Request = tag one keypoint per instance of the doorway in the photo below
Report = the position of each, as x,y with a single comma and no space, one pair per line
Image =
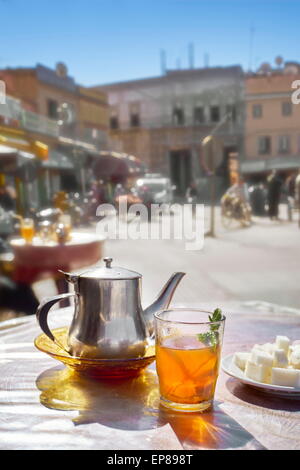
181,170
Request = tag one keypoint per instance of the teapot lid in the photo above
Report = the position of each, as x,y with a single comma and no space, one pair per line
110,272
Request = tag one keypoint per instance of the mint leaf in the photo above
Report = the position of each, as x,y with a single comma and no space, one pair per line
211,338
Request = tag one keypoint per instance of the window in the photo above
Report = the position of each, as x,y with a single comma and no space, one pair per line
257,111
264,145
114,122
178,116
134,120
286,108
199,115
231,112
214,113
134,112
284,144
52,106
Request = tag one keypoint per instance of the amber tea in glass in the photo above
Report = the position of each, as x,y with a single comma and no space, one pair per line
188,349
27,230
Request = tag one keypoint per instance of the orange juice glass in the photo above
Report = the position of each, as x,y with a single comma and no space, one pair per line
27,230
188,350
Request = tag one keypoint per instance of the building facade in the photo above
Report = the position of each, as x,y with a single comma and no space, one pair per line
163,121
272,132
70,120
81,113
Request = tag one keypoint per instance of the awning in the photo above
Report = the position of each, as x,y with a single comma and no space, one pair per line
8,151
58,161
117,165
18,163
5,151
18,140
12,159
278,163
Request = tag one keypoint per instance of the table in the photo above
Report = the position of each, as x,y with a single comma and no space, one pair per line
45,406
38,260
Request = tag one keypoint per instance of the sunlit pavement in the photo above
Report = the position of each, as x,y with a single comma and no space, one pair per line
240,268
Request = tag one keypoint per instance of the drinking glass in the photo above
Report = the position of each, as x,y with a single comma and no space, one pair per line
66,220
27,230
188,351
45,231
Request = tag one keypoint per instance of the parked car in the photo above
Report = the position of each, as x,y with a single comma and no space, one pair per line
155,189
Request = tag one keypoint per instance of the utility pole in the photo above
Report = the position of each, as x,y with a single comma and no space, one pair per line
208,142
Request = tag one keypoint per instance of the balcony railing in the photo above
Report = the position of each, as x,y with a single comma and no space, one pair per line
36,123
12,111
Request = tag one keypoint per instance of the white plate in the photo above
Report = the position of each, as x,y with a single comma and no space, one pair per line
233,370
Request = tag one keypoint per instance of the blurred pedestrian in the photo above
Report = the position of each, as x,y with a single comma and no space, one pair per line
297,190
290,184
98,192
119,191
191,194
7,198
257,194
297,195
274,192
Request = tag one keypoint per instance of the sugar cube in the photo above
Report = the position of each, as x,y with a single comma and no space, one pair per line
261,357
292,348
285,377
240,359
295,359
257,346
282,342
280,358
257,372
269,347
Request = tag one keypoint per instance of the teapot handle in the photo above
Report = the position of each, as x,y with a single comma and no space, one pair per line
42,315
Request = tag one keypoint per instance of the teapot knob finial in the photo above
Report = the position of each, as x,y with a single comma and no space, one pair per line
108,262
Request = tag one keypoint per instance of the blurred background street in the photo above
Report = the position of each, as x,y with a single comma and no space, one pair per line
151,119
241,268
242,264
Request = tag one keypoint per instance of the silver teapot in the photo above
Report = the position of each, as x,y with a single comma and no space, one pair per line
108,321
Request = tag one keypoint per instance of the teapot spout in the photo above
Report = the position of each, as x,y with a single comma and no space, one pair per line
69,277
163,300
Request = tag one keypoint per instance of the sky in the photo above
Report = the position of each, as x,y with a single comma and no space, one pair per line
105,41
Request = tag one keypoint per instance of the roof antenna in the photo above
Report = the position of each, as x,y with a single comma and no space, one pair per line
251,41
206,60
191,52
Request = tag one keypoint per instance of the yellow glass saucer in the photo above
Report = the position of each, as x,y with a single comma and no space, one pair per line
96,368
